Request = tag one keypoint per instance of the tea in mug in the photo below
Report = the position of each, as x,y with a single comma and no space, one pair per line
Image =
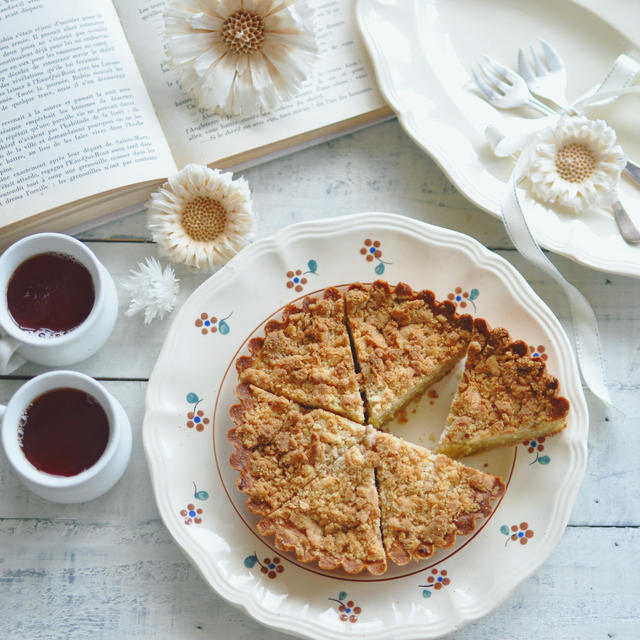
64,431
50,294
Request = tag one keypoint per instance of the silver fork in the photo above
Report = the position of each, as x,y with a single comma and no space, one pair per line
504,88
547,78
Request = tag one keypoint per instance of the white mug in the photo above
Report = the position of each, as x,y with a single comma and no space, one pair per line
88,484
17,345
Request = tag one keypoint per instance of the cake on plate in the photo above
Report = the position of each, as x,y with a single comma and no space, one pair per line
344,494
335,519
404,342
426,500
505,396
307,357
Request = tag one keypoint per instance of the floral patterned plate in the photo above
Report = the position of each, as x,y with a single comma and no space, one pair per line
186,421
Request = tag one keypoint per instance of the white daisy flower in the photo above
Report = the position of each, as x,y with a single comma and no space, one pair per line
201,217
576,164
240,56
151,289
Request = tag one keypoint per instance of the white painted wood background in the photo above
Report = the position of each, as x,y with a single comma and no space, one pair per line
109,569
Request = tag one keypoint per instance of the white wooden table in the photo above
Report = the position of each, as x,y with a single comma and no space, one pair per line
109,569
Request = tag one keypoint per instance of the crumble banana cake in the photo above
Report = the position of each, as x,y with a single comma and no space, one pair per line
404,342
335,519
505,396
307,357
346,495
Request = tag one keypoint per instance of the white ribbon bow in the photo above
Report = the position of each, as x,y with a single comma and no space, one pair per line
618,82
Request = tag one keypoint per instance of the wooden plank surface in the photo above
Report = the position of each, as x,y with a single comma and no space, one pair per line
80,578
109,568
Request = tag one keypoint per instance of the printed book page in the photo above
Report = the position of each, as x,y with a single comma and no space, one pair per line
75,118
342,86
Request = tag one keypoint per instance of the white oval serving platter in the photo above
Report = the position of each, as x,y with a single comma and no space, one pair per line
423,52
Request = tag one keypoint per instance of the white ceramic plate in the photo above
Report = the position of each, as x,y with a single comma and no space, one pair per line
423,52
191,390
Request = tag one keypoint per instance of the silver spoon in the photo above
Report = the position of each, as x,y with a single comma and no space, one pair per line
628,230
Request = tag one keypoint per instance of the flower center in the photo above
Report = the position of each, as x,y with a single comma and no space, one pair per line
575,162
204,219
243,32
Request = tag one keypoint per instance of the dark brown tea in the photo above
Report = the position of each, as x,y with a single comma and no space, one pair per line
50,293
64,432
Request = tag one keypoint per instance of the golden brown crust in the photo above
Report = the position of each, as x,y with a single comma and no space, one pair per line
280,446
426,500
505,396
404,341
335,519
307,357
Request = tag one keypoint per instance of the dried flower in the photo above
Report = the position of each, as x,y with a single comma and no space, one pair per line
576,164
240,56
151,289
201,217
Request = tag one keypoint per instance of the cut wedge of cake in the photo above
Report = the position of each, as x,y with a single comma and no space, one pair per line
426,500
505,396
307,358
280,446
404,341
335,519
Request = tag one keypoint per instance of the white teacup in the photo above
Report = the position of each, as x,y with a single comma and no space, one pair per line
90,483
17,345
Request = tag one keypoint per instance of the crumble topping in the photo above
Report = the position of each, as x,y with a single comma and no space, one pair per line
280,447
307,358
505,396
404,342
346,495
427,499
335,519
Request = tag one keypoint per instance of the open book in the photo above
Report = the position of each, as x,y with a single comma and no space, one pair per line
92,119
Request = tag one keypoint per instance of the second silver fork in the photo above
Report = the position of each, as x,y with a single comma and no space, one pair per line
547,77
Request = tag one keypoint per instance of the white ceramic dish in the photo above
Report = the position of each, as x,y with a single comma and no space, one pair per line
191,390
423,52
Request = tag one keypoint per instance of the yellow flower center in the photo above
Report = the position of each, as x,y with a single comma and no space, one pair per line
243,32
203,219
575,162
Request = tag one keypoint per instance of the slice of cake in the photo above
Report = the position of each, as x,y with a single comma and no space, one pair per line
505,396
307,358
427,499
280,446
335,519
404,342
